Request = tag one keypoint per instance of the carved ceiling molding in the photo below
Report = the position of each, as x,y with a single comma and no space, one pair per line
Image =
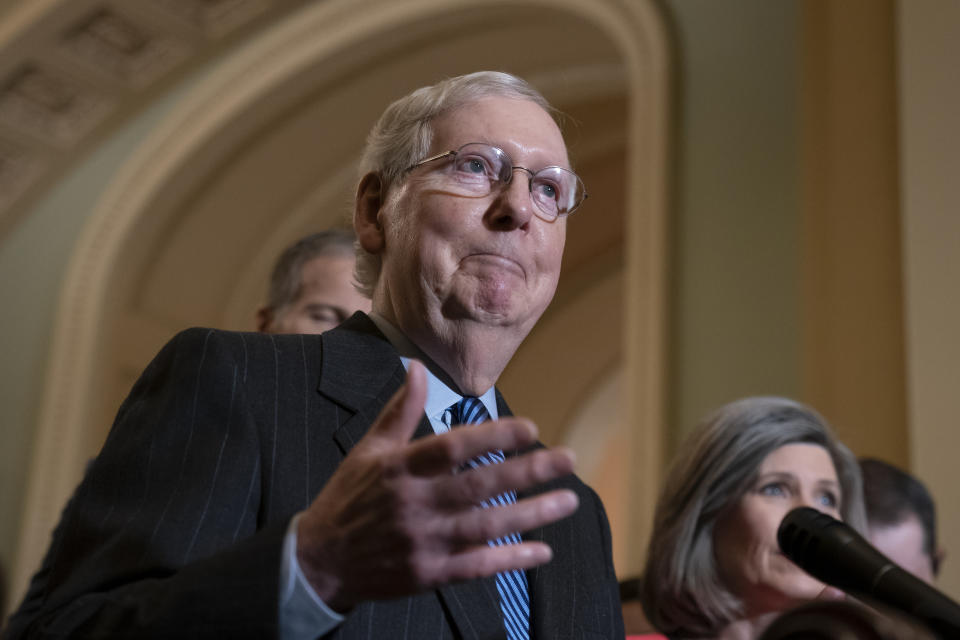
70,70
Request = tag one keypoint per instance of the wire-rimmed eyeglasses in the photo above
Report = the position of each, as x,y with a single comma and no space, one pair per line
476,168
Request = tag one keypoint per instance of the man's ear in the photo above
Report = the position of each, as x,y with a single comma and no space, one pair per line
937,560
366,213
264,318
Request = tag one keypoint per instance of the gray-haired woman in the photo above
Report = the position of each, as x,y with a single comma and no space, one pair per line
714,569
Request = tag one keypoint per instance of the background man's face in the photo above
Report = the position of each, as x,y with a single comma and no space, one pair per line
327,297
903,543
488,259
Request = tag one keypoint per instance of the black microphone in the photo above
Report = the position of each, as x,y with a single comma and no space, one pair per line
835,554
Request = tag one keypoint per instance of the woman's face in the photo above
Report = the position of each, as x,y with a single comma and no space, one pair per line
745,538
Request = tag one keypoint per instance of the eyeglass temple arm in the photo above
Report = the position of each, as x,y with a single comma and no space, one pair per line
445,154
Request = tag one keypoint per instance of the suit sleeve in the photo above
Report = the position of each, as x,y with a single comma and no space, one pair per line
163,537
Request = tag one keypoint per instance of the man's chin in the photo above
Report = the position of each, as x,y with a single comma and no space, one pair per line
498,318
503,309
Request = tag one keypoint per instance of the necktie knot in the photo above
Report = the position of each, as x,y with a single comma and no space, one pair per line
469,410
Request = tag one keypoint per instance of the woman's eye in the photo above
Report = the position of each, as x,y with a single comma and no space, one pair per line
773,489
828,500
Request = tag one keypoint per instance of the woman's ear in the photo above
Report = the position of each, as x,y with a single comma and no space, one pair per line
366,213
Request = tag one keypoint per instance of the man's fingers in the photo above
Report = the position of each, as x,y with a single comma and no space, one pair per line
483,560
439,454
480,525
515,474
399,419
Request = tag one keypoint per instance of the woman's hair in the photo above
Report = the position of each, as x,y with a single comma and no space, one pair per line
403,135
683,594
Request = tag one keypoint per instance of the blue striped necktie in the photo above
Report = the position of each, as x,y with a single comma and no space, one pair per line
511,585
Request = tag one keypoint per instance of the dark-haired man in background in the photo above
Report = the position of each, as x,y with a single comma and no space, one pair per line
311,286
902,518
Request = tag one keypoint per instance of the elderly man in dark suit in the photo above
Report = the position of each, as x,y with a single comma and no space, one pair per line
311,486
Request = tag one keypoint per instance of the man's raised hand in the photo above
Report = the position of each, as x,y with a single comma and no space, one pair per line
394,519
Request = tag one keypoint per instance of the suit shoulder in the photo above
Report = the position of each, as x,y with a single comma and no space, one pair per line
584,490
193,335
246,341
208,349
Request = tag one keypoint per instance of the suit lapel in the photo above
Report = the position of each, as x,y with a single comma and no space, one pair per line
360,372
552,598
475,608
475,604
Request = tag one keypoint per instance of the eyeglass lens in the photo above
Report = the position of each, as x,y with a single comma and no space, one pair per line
478,166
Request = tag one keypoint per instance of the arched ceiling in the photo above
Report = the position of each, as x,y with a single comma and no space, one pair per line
72,70
282,164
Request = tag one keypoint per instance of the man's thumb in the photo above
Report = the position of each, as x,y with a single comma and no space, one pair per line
399,419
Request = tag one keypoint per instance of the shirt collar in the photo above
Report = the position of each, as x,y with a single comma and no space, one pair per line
440,393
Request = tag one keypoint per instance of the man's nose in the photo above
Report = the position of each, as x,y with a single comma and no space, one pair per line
513,208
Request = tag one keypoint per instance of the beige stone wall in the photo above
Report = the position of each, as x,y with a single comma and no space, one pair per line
851,285
929,35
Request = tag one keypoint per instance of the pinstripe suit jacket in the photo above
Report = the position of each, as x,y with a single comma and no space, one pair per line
176,531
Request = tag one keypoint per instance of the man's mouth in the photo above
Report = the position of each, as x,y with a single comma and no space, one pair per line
497,261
